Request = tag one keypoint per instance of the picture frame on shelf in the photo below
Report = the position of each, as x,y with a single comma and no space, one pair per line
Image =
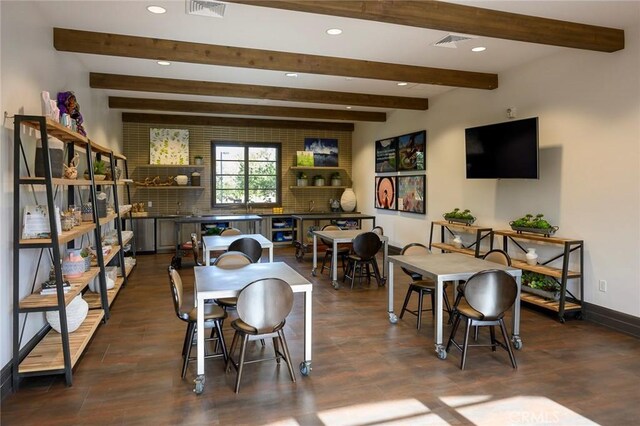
412,194
386,155
385,196
325,151
411,151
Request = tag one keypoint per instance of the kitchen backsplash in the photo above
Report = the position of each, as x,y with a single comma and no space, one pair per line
187,201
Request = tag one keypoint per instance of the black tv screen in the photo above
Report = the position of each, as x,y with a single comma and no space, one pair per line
506,150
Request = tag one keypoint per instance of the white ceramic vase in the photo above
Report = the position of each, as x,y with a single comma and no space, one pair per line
457,241
77,311
348,200
532,256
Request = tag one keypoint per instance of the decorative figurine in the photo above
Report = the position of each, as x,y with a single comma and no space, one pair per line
71,171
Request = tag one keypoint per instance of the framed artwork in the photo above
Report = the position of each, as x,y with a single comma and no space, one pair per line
169,146
411,151
385,192
386,155
304,158
412,194
325,151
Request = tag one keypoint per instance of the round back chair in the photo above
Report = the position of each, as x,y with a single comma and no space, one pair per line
230,231
248,246
329,228
366,245
232,260
498,256
491,293
414,249
177,291
378,230
195,248
265,304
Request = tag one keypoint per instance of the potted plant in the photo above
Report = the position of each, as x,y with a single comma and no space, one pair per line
99,170
456,215
336,180
302,179
535,224
540,285
199,160
318,180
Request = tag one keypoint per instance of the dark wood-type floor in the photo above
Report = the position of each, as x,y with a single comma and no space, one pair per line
365,371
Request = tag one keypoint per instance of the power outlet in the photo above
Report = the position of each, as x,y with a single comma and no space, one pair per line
149,203
602,286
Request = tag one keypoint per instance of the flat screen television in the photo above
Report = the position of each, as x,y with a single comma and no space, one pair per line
506,150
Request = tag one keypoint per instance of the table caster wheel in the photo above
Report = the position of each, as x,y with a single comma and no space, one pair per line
313,272
393,318
305,368
517,342
199,384
335,285
441,352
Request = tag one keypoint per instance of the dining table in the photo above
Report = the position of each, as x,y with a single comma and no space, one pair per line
443,267
340,237
212,282
222,242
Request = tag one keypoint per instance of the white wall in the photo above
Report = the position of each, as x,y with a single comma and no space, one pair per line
30,64
589,109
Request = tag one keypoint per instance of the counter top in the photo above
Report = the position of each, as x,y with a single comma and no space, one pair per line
230,217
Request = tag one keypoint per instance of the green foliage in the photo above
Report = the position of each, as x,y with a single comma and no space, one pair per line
457,214
99,167
539,281
302,175
530,221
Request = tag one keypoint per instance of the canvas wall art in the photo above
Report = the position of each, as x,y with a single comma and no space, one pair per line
385,196
386,155
325,151
412,194
169,146
411,151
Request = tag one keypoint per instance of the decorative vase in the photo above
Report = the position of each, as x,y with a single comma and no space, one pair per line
302,182
532,256
336,182
77,311
73,265
348,200
457,241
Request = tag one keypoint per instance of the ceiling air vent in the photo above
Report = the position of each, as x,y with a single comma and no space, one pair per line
213,9
451,41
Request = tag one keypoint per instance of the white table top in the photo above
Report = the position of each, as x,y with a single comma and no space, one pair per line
449,266
220,242
345,235
215,282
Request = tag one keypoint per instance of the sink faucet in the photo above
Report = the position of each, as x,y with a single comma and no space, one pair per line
311,205
248,206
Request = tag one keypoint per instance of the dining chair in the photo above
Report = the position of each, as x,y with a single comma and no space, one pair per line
213,316
195,249
378,230
248,246
183,251
421,286
343,250
365,247
489,294
230,231
263,307
230,260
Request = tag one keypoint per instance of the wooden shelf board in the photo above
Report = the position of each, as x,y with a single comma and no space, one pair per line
27,180
535,237
125,210
109,218
107,258
94,301
316,168
126,240
172,166
101,149
124,181
544,270
170,187
65,237
119,156
453,249
460,226
48,355
58,131
128,269
553,305
319,187
37,300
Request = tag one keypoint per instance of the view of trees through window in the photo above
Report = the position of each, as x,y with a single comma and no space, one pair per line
245,173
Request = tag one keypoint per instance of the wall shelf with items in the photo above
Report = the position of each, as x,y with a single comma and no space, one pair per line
318,187
172,166
340,173
181,187
561,274
447,234
283,230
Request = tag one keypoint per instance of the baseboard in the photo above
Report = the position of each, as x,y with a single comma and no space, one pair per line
609,318
6,375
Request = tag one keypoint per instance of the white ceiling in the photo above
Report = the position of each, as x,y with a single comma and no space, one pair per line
271,29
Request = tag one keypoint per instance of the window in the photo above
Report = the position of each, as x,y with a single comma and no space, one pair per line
245,172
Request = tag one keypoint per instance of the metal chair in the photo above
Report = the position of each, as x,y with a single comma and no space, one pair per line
378,230
184,249
230,231
230,260
248,246
489,295
365,247
263,307
421,286
343,250
213,316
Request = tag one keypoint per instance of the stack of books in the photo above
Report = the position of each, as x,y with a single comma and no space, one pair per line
49,287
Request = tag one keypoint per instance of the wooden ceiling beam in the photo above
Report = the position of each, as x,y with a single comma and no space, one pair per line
67,40
210,88
437,15
242,109
206,120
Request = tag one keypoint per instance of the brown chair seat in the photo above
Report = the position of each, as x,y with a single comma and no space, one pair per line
245,328
211,312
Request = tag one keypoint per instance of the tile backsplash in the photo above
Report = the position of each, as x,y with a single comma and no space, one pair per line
186,201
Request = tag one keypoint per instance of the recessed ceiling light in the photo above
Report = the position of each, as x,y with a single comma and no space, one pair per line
156,9
479,49
292,75
348,107
334,31
164,63
402,83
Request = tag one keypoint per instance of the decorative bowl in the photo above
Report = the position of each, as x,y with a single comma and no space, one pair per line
77,311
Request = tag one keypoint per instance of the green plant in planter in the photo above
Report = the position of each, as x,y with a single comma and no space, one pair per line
302,175
317,178
540,282
531,221
457,214
335,175
99,167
